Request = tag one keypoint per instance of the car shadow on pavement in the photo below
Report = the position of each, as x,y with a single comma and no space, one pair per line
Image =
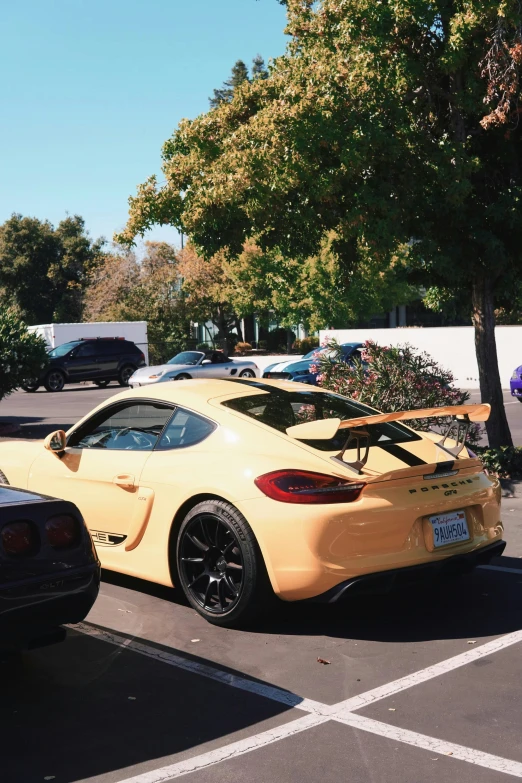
479,604
86,708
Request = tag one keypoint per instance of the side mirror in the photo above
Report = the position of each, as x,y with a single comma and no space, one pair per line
206,361
55,441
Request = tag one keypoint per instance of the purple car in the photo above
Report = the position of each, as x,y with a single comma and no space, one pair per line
516,383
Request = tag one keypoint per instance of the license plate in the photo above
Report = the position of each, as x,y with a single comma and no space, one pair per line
449,528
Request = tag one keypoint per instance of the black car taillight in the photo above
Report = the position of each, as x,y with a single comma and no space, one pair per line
303,486
62,531
19,538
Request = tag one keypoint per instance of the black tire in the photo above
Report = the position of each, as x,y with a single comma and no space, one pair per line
102,384
30,387
233,585
54,381
519,399
247,374
125,373
3,478
183,376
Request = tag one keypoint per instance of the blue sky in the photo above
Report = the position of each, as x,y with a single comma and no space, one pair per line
92,88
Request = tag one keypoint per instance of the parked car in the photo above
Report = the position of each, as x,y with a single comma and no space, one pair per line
98,359
195,364
238,489
302,370
516,383
49,569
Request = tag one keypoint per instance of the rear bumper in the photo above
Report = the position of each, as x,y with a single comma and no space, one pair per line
385,581
32,611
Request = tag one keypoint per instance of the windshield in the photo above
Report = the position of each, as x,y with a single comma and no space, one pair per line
187,357
281,409
61,350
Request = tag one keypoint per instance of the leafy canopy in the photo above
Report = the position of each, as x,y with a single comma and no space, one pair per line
44,270
383,122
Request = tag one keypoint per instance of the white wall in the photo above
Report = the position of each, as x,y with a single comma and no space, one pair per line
452,346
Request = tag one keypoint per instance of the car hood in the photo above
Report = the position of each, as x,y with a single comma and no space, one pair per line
146,372
290,366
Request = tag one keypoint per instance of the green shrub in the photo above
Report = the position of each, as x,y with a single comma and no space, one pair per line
394,379
306,344
23,355
203,347
262,345
506,462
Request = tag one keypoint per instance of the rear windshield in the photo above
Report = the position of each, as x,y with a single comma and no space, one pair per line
281,409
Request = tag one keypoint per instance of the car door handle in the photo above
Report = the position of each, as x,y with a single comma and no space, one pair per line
124,480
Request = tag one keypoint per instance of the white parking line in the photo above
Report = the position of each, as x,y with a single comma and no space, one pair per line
342,712
228,752
434,745
204,670
423,675
501,568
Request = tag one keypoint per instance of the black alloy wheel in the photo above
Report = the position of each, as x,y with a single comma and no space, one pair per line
102,384
219,564
30,386
247,374
183,376
54,381
125,374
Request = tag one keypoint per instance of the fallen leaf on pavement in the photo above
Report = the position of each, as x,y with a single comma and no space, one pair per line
323,660
195,640
472,641
391,709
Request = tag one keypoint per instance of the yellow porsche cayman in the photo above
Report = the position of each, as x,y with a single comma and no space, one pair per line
232,488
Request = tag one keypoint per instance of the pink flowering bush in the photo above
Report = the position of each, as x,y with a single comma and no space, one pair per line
394,379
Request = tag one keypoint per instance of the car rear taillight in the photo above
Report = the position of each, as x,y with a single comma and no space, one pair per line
62,531
303,486
19,538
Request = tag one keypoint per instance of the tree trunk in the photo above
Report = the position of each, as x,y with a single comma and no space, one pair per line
497,426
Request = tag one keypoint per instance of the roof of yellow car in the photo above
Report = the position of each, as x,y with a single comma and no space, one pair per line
208,389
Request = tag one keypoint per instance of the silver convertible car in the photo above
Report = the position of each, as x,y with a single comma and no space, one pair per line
195,364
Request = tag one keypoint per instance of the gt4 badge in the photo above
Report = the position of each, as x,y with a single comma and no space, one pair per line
101,538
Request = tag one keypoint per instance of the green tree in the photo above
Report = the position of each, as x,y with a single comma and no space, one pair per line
395,126
44,270
23,355
238,76
259,69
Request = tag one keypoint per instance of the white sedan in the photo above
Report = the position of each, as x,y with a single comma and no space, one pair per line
195,364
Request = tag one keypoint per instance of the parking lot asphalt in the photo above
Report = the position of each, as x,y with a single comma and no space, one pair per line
419,687
411,687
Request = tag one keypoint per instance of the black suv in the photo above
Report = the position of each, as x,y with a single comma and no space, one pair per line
101,360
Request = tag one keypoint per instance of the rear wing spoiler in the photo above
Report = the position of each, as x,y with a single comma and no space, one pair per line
358,436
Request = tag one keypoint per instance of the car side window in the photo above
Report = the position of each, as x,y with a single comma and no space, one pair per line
85,351
185,429
134,426
109,347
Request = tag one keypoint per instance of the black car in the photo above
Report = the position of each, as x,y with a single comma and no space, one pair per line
49,570
101,360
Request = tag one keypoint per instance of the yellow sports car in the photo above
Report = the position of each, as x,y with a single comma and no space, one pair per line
235,488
